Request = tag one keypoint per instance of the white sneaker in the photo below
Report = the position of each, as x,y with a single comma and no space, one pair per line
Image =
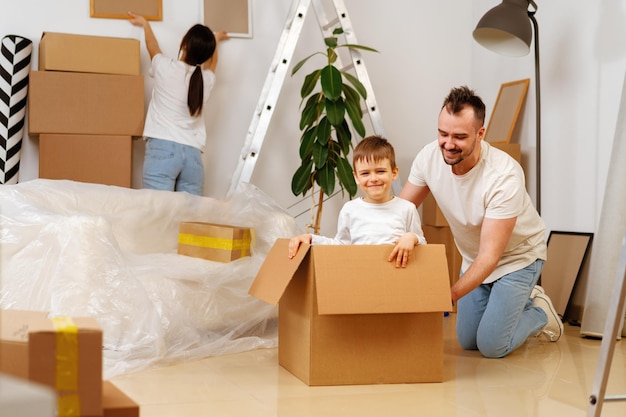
537,290
554,329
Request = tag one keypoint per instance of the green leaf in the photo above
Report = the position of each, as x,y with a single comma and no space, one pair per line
355,46
331,82
346,176
357,84
353,100
323,131
356,117
326,179
302,178
310,113
344,137
335,111
320,155
331,42
301,63
306,143
338,31
309,83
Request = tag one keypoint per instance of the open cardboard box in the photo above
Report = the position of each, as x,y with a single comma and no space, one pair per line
348,316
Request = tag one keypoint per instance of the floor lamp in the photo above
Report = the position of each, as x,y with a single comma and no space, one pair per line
506,30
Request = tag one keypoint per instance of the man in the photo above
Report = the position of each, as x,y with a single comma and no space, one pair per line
481,192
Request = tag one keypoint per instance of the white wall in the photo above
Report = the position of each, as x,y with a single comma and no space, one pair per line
425,49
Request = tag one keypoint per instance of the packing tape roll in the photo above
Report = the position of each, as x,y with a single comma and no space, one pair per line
67,366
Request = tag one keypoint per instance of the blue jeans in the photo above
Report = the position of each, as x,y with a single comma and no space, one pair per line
497,318
171,166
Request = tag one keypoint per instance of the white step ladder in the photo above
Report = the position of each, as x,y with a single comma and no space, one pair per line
279,68
609,338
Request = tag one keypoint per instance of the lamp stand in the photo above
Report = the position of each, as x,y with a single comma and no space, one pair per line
531,15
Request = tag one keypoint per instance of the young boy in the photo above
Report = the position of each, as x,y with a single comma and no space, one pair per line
378,217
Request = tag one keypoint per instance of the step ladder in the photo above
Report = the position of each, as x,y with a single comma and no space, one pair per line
279,68
607,349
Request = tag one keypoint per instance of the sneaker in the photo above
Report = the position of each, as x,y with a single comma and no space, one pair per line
554,329
537,290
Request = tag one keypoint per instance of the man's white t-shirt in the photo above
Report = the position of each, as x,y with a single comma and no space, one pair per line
494,189
363,223
168,115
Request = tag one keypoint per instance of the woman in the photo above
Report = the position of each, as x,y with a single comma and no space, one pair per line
174,128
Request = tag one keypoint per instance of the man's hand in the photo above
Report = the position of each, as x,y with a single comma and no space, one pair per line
403,249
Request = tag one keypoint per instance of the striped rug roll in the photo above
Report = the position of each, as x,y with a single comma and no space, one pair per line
14,68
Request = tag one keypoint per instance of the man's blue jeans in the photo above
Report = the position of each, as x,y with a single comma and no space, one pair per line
172,166
497,318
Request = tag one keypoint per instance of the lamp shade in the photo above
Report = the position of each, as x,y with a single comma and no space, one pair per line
506,29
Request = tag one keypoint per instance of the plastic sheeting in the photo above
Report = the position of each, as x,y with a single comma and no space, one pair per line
76,249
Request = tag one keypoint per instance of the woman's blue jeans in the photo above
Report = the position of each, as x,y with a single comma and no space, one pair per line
172,166
497,318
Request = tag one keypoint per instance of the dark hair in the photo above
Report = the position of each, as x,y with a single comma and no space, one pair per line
460,97
198,45
374,149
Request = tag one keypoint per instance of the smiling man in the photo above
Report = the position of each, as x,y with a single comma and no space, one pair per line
501,237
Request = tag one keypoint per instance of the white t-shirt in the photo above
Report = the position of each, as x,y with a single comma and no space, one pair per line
493,189
363,223
168,115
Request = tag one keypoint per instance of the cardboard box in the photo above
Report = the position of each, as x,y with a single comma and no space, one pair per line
14,328
99,159
443,235
347,316
81,103
66,354
83,53
117,404
214,242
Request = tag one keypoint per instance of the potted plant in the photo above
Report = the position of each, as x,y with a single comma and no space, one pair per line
325,122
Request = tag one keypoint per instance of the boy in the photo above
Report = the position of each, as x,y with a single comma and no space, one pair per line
378,217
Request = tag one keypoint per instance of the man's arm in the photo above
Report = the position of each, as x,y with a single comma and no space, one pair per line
414,193
494,236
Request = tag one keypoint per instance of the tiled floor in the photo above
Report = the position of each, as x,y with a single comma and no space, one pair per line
539,379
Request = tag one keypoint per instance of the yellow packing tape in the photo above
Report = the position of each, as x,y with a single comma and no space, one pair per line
67,366
242,245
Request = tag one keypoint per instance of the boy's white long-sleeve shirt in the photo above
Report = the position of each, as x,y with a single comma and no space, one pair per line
363,223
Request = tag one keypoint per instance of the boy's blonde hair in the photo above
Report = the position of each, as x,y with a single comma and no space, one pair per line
374,148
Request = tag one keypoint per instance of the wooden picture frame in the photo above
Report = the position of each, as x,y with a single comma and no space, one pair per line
567,253
231,16
506,111
118,9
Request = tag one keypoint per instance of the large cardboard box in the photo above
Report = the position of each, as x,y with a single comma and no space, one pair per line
214,242
348,316
83,53
66,354
98,159
82,103
14,328
513,149
117,404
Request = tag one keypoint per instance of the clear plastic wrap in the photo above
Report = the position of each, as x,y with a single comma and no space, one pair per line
77,249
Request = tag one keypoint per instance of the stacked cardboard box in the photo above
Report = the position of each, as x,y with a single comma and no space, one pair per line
86,102
348,316
65,354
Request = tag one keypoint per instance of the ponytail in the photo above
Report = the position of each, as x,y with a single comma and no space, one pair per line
195,94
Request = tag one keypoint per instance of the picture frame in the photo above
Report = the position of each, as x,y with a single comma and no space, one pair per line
506,111
232,16
118,9
567,253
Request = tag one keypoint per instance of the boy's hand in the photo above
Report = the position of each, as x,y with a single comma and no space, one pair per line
403,249
294,243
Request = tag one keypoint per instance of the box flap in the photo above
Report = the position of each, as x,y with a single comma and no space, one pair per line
358,279
15,324
276,271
